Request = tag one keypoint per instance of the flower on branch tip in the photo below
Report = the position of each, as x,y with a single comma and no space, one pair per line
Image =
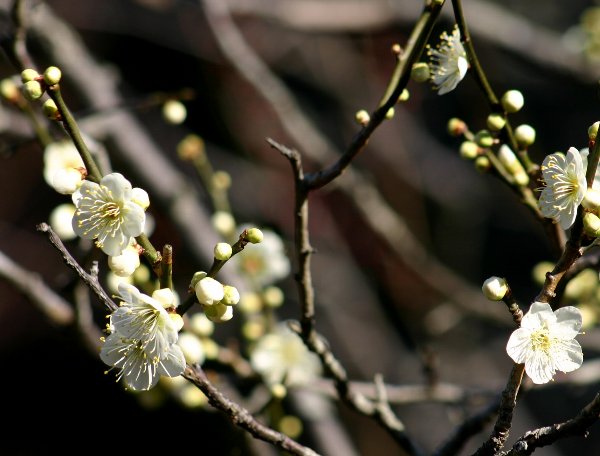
108,213
545,342
142,343
565,186
448,62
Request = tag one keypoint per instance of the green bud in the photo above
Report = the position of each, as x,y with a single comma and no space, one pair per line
482,163
512,101
512,164
484,139
273,296
49,108
456,127
593,131
390,114
495,288
219,313
420,72
222,251
591,224
32,90
591,200
469,150
253,235
495,122
8,89
525,135
197,277
28,75
362,117
540,270
231,295
52,75
404,96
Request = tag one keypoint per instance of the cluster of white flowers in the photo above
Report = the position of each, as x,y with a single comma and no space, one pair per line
142,339
448,64
111,212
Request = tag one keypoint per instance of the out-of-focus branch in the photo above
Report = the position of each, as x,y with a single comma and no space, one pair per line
33,287
241,417
577,426
89,279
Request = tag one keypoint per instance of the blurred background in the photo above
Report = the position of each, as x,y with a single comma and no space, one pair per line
404,240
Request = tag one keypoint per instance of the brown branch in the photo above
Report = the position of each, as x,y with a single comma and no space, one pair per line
544,436
241,417
89,279
33,287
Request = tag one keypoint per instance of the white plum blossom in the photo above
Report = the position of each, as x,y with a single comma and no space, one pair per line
64,169
545,342
126,263
61,221
107,213
565,186
264,263
142,343
448,62
281,357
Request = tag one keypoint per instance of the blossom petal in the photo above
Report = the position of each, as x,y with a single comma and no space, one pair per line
134,218
538,313
519,344
114,245
173,363
568,323
570,356
119,188
539,366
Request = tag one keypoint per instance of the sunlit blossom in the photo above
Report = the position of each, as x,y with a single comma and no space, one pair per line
448,62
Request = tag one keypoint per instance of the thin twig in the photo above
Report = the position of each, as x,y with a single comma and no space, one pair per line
89,279
241,417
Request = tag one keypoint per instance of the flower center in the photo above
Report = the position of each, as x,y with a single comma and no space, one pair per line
540,340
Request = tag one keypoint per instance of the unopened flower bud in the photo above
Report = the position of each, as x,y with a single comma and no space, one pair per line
593,131
8,89
219,313
273,296
209,291
362,117
525,135
201,325
404,96
278,391
32,90
125,264
591,224
61,220
495,121
231,296
512,101
484,138
197,277
223,222
178,320
482,163
390,113
221,180
28,74
469,150
512,164
222,251
420,72
166,297
191,147
591,200
49,109
495,288
52,75
456,127
253,235
191,347
174,112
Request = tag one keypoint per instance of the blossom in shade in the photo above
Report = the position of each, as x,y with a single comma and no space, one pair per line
545,342
565,186
108,213
448,62
281,357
